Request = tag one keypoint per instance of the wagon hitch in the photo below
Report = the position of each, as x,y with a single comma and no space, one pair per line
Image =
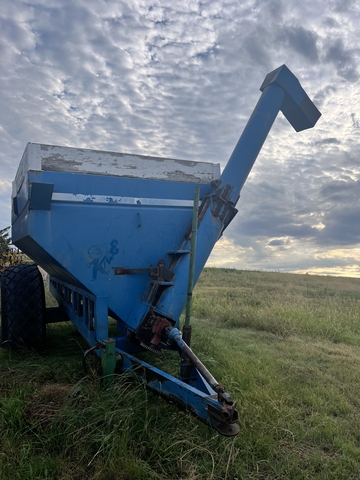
197,390
225,419
222,414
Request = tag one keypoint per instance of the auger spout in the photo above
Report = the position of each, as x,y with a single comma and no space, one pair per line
281,92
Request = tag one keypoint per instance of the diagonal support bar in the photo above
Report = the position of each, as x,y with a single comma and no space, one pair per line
204,406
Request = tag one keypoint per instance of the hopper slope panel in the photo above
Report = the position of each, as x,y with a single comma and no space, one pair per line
86,242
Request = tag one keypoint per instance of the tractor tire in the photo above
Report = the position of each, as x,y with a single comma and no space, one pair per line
22,307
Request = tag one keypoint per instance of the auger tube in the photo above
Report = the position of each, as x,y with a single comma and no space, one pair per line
281,91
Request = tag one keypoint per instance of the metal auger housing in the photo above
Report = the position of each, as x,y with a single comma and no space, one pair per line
113,231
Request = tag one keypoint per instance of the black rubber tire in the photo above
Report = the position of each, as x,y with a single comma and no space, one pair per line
22,307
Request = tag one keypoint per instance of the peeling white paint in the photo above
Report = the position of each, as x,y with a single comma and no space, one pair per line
117,200
77,160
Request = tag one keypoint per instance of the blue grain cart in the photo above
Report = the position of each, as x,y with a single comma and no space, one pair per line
114,231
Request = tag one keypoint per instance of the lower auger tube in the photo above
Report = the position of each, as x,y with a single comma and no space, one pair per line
224,419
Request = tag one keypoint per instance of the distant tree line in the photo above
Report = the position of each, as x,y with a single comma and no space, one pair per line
5,242
8,254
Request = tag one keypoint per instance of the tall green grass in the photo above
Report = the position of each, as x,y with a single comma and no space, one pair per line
287,347
283,304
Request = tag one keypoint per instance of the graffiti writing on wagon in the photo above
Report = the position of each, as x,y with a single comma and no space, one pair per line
100,258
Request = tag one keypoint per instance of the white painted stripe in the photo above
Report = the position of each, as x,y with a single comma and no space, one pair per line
111,200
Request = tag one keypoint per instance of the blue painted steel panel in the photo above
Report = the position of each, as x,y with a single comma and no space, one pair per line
81,242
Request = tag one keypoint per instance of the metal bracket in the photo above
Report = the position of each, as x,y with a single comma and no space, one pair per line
158,273
40,195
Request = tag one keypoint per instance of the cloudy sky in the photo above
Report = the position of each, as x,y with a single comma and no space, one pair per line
179,79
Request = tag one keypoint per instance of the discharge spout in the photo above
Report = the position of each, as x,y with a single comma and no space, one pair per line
281,91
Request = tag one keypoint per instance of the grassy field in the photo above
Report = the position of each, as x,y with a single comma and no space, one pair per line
287,347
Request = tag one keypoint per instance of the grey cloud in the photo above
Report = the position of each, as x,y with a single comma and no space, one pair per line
327,141
331,22
276,9
267,222
336,204
342,6
267,190
355,121
278,243
343,59
343,192
351,158
256,50
342,227
323,94
301,40
13,32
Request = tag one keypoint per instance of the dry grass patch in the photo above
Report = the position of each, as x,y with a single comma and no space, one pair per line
45,403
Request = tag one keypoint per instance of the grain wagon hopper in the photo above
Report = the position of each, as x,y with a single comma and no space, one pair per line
114,233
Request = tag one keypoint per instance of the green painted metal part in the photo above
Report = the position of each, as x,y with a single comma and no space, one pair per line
192,257
108,362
